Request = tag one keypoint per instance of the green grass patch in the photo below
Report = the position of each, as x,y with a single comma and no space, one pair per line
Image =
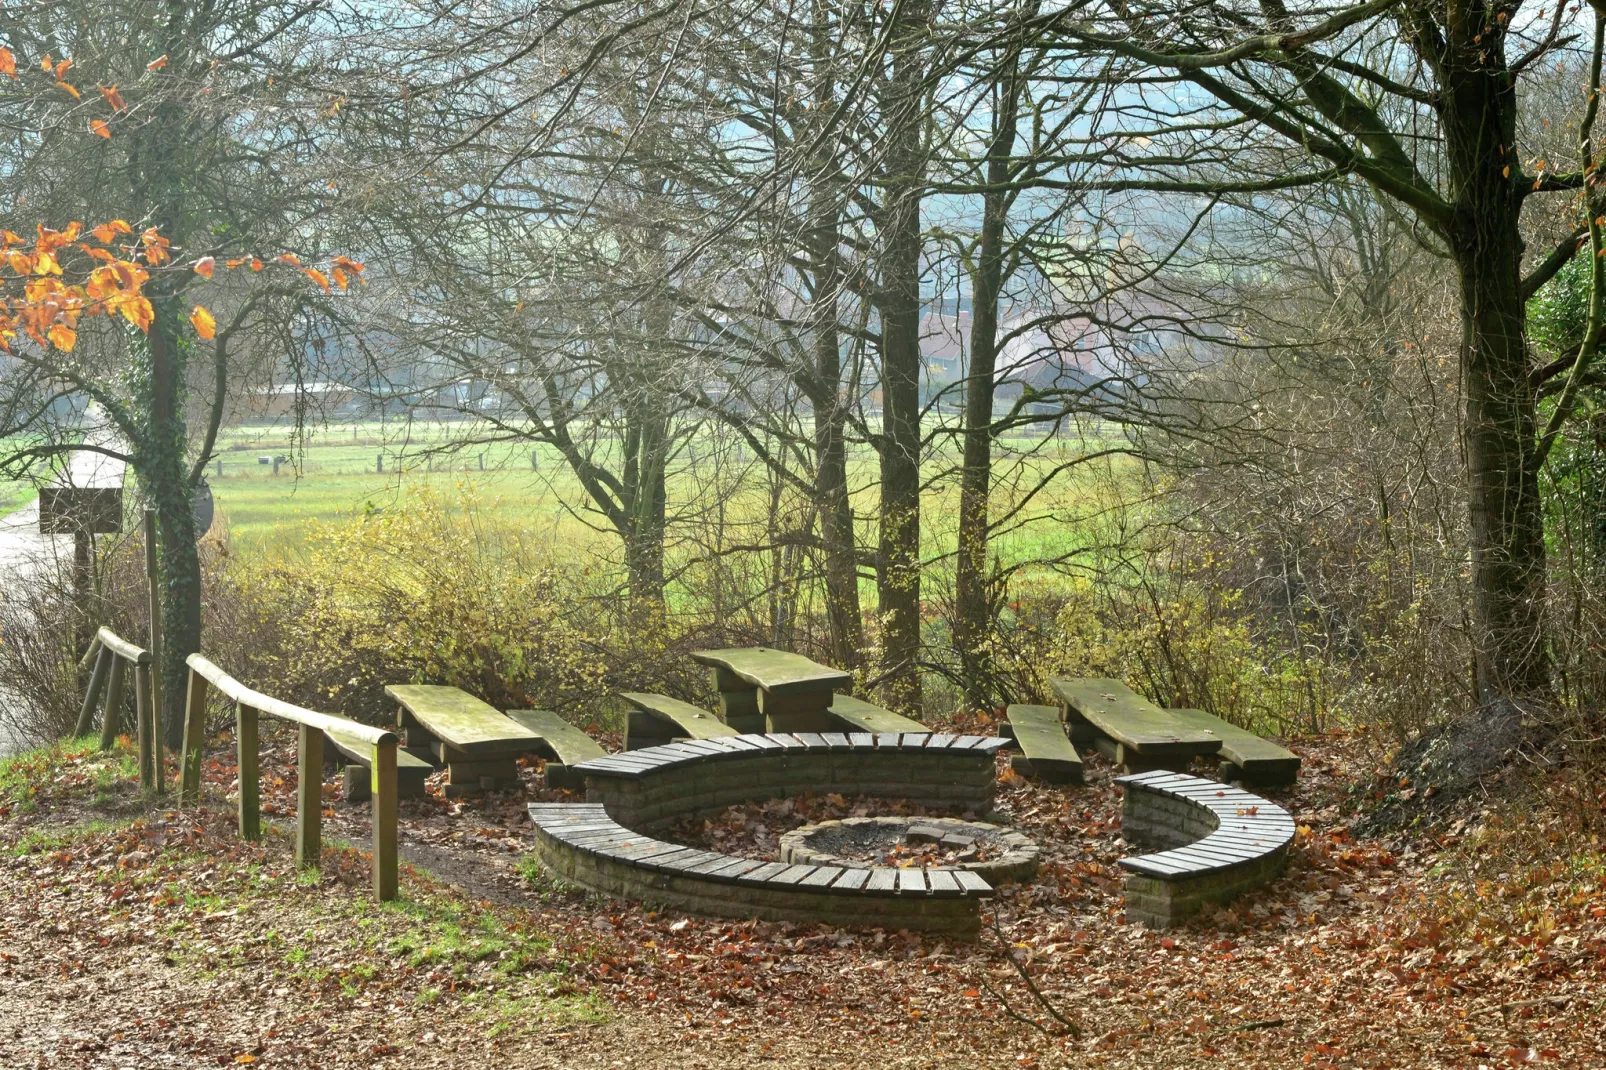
71,770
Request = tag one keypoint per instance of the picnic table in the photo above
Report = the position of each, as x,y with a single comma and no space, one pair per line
1140,736
792,692
479,744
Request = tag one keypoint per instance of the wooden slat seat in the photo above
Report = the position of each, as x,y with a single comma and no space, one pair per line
478,743
1217,842
411,770
582,843
1046,752
1134,732
861,716
561,744
1245,756
658,719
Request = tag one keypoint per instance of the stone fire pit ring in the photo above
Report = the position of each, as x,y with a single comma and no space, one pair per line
1007,855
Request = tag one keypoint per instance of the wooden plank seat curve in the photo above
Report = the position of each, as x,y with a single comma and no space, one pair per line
659,719
562,745
479,744
857,715
1216,841
1046,751
584,844
653,788
790,691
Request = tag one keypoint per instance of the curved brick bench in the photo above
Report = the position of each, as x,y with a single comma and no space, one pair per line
604,844
1218,841
585,845
653,787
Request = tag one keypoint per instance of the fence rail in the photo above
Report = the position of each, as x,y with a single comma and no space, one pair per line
248,703
112,656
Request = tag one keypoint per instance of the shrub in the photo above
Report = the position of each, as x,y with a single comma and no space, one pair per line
427,593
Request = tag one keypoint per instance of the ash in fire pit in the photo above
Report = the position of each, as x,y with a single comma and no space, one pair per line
994,853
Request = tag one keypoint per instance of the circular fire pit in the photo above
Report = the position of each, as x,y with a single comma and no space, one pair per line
994,853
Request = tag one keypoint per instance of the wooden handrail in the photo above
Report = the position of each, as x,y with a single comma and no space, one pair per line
311,726
235,691
111,656
122,647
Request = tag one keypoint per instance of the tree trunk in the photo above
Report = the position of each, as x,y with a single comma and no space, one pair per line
646,505
160,463
838,544
971,608
899,301
1497,420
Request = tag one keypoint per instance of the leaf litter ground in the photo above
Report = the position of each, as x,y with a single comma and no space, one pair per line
133,937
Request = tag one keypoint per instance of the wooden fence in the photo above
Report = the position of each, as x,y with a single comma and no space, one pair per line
113,656
381,746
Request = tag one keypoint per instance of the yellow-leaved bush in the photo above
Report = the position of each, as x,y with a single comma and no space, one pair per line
1187,644
429,594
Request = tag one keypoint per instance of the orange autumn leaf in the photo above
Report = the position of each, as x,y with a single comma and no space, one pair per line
136,310
158,63
205,325
205,266
60,70
318,277
290,258
256,265
107,232
62,337
232,264
99,128
8,63
71,89
113,97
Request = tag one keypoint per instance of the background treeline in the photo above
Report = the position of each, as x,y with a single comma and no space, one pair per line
1240,350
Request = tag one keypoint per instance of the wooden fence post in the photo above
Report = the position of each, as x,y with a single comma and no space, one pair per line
112,713
383,789
149,771
189,783
309,796
153,596
245,740
97,680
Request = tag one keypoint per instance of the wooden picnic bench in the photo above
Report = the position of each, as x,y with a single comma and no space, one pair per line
1132,731
793,692
861,716
1135,733
479,744
561,744
1046,751
660,719
357,770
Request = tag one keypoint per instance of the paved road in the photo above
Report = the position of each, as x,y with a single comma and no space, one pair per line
28,558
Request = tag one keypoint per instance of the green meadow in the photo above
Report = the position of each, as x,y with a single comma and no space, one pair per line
715,493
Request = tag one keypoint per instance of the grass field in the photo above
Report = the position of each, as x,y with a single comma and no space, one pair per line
347,470
719,496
